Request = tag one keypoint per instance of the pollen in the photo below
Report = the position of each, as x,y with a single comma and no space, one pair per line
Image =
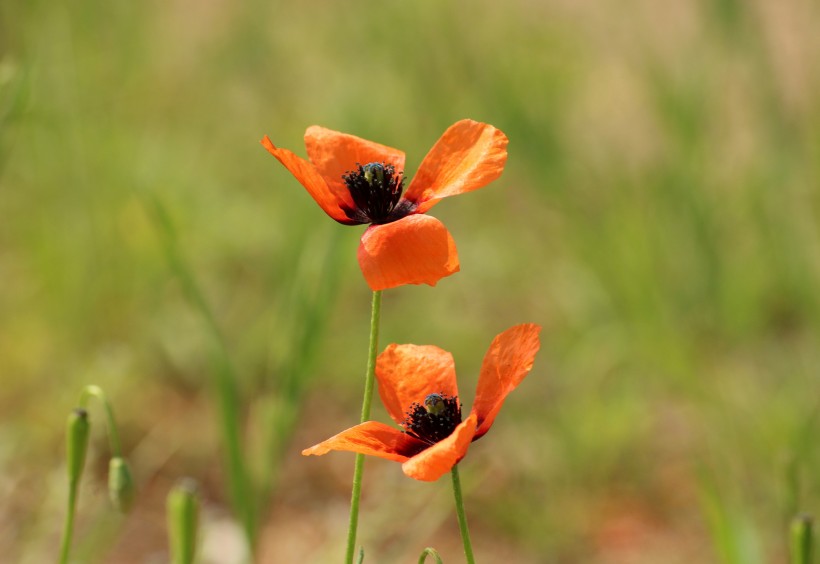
434,419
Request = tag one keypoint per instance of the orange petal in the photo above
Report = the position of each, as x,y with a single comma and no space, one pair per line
416,249
372,438
329,199
429,465
506,363
334,153
468,156
408,373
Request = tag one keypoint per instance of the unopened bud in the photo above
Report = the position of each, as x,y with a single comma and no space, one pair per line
801,540
78,429
182,508
120,484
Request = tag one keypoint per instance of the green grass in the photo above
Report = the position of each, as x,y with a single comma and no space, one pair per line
658,216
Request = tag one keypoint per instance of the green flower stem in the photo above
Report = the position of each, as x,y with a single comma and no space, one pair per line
68,527
369,382
430,552
113,435
462,517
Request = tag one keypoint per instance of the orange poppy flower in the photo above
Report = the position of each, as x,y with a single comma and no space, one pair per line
417,385
356,181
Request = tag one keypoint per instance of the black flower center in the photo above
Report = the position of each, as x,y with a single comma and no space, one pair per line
376,190
434,419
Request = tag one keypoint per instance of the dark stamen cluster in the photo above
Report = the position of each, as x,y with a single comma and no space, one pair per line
376,190
433,420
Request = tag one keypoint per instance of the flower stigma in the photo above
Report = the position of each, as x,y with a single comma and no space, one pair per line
376,191
433,420
434,404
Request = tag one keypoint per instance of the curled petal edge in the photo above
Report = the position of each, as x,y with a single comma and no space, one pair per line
371,438
331,201
508,361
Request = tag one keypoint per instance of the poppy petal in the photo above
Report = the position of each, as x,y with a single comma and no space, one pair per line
468,156
429,465
371,438
416,249
334,153
506,363
329,199
409,373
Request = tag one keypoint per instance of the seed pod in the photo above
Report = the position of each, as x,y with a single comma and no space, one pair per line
120,484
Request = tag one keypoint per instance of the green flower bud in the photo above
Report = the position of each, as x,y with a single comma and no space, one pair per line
77,443
120,484
801,540
182,508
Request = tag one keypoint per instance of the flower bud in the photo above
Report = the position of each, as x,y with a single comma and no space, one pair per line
801,540
182,508
77,444
120,484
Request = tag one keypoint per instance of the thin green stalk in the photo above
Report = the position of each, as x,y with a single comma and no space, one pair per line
241,489
68,528
113,435
462,517
369,382
430,552
121,488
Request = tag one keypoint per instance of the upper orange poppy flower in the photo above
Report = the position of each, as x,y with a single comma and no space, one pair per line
417,385
358,181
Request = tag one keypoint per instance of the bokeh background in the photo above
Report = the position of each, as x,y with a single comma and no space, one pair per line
658,216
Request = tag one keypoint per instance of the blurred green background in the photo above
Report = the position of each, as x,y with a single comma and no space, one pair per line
658,216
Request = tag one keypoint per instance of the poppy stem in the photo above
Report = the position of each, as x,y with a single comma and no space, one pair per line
462,517
369,381
113,437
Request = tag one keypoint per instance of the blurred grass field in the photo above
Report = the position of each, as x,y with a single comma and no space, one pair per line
658,216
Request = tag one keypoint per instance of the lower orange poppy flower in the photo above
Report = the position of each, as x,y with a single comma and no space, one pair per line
356,182
417,385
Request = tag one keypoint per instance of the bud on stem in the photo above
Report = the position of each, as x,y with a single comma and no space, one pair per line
77,445
182,508
77,431
800,542
120,484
